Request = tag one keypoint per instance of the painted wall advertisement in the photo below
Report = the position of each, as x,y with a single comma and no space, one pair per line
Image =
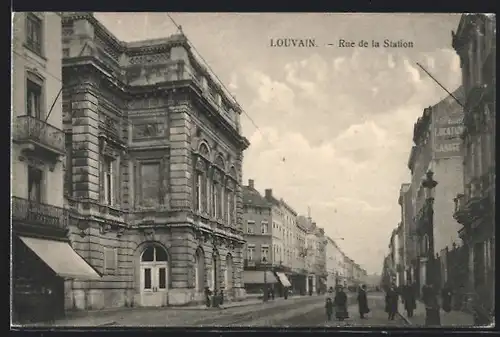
447,121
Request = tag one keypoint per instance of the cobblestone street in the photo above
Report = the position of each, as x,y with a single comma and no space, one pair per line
294,312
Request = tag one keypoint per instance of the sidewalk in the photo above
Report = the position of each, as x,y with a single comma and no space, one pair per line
107,317
453,318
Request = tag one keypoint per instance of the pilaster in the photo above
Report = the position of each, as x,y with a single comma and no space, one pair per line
85,124
180,158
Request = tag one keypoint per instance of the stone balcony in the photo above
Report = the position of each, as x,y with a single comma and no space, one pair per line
38,137
460,212
38,214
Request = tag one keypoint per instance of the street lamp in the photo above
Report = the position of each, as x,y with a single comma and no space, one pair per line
429,184
265,296
432,309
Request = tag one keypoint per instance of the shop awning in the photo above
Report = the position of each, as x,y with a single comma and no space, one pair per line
283,279
257,277
61,258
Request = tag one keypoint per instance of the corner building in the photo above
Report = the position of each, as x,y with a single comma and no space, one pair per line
153,171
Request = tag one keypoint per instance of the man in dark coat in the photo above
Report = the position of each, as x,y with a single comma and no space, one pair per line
446,295
432,314
329,308
340,303
409,299
362,302
391,302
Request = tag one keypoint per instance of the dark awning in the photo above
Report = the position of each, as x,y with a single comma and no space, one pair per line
283,279
257,277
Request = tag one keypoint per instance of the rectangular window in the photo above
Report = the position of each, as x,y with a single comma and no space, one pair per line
150,184
68,169
220,204
264,254
35,177
264,227
147,278
250,253
250,227
33,99
108,180
227,208
162,278
215,199
110,260
197,191
34,33
208,194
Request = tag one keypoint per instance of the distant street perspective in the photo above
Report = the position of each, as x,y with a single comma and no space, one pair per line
192,169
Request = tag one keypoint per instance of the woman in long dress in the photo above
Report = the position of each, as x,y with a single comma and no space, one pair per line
362,302
391,302
340,302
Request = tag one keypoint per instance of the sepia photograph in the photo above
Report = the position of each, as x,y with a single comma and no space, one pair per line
331,170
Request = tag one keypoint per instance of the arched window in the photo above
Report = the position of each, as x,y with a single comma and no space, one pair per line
203,150
199,266
154,254
219,161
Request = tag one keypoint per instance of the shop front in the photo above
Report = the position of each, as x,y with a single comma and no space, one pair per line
40,267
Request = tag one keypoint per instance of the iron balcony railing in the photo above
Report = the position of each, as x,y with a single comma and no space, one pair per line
29,128
35,213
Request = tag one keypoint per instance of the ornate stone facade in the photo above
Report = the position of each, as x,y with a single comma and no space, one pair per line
154,176
475,43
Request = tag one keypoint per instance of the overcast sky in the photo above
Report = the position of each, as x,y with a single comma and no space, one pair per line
334,125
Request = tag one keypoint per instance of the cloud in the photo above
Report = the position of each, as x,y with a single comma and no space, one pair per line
233,83
340,143
390,61
414,73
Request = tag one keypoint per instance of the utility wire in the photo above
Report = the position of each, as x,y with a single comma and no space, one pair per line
60,90
449,93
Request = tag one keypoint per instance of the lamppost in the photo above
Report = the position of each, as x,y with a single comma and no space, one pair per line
429,184
265,296
431,302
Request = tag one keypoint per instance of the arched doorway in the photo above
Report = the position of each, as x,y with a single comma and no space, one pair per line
154,276
199,270
228,276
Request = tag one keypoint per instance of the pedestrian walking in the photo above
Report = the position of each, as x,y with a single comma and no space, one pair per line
446,296
391,302
409,299
329,308
207,296
221,297
362,302
432,315
330,294
340,303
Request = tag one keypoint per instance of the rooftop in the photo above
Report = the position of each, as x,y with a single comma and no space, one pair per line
252,197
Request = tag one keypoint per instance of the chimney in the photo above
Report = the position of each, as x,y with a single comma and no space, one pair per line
269,193
250,183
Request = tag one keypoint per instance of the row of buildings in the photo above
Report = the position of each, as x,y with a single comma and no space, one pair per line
290,249
126,174
446,233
